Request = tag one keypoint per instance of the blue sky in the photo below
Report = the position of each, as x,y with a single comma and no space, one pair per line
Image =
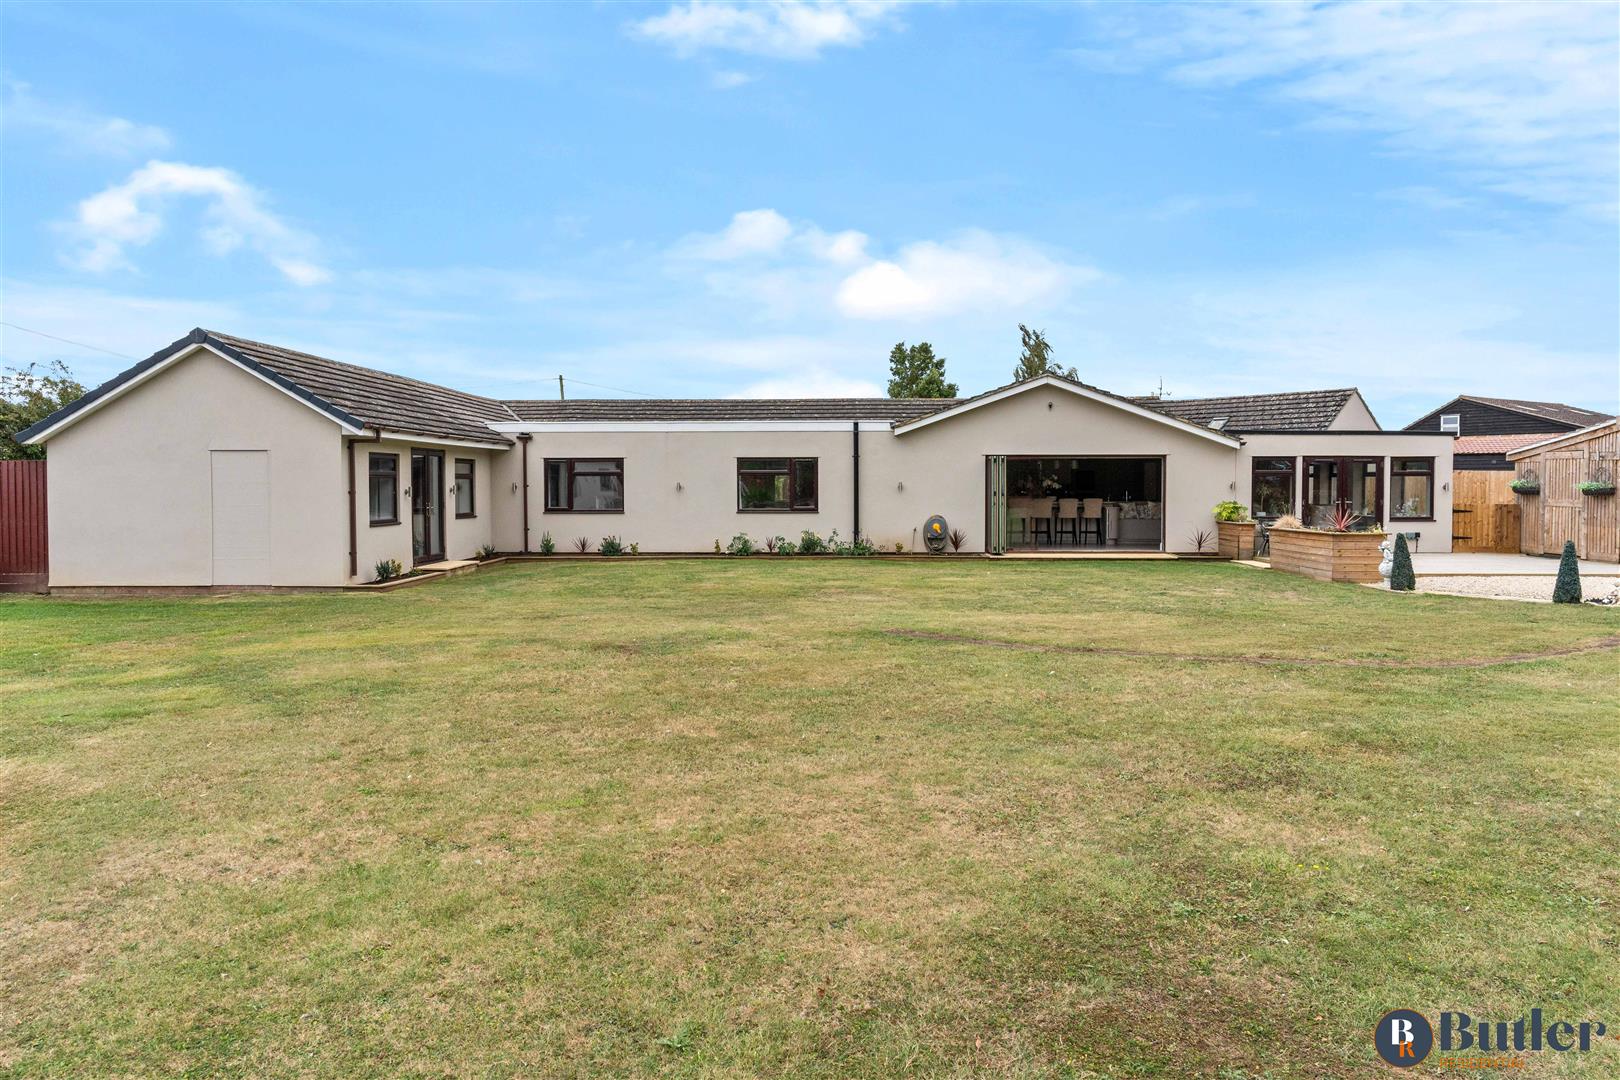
718,199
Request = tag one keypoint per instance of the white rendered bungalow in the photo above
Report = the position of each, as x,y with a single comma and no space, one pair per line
225,462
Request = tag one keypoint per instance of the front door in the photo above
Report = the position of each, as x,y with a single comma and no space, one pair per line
427,505
1353,484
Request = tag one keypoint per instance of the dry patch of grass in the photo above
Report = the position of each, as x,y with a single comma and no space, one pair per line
713,819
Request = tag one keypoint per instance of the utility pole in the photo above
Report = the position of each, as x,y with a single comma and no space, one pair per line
562,395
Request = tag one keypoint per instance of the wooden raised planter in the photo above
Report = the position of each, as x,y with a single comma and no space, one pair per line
1327,556
1236,539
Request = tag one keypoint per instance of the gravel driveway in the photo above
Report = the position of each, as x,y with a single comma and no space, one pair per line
1506,587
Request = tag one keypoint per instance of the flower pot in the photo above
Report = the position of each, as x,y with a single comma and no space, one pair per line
1597,491
1327,556
1236,539
1532,489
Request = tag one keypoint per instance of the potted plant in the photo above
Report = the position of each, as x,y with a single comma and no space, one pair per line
1597,488
1335,551
1235,530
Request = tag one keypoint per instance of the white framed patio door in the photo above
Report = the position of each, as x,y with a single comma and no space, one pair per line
995,513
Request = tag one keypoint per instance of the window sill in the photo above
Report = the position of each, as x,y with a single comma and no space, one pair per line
778,510
1403,521
380,524
465,517
559,510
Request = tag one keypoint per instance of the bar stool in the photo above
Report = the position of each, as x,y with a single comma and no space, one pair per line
1091,519
1068,519
1040,520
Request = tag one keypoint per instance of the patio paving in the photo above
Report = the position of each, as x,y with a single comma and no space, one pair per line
1471,563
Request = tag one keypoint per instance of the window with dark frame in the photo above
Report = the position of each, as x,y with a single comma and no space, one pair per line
787,484
466,503
1272,490
383,472
585,485
1411,489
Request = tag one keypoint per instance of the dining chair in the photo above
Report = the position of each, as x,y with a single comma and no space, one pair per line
1068,519
1091,519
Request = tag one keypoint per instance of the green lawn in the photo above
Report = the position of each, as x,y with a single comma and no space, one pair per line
710,818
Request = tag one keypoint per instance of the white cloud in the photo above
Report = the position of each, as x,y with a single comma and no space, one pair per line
730,80
1520,96
976,271
131,214
751,232
782,29
79,129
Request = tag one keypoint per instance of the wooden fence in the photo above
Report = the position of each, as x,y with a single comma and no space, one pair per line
1484,511
24,560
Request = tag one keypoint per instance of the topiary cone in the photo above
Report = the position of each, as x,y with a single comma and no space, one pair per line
1401,577
1568,588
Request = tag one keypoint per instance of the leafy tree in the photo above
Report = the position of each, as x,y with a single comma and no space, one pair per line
1401,576
915,372
1037,357
27,397
1567,589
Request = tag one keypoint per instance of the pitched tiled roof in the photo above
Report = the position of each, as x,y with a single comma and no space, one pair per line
1545,410
946,405
1495,444
377,398
675,409
1302,410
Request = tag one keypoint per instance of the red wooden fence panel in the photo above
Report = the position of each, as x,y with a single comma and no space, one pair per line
24,560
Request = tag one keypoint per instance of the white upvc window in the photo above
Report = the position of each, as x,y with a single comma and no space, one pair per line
1451,423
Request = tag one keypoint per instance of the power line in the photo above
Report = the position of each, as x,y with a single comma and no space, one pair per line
68,341
615,389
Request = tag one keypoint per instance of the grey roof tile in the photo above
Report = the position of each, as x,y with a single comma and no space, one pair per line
1300,410
378,398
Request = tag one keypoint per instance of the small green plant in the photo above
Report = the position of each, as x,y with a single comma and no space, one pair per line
610,546
718,550
858,546
957,538
811,544
486,551
1567,589
784,546
634,549
388,569
899,548
547,544
740,545
1526,485
681,1040
1401,576
1231,510
582,544
1595,488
